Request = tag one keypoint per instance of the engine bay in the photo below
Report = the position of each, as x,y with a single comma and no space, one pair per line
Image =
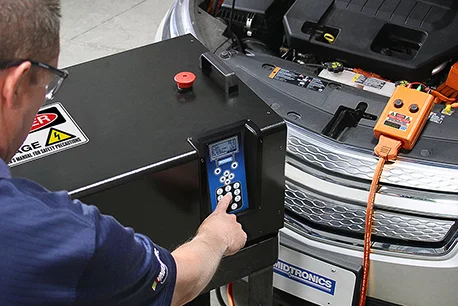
392,40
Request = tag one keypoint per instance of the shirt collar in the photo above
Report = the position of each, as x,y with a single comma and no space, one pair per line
4,170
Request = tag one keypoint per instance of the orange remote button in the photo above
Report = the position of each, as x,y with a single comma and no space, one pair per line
404,116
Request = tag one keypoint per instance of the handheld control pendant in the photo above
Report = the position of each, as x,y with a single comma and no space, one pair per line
226,172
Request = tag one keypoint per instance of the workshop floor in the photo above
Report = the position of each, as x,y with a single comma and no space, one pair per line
96,28
93,29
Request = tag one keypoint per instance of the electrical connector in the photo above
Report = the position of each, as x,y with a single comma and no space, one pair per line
452,79
402,83
388,148
447,110
334,67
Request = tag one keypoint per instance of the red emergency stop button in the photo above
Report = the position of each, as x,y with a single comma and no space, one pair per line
185,80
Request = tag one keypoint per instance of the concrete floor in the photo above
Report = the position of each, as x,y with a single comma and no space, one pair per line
93,29
96,28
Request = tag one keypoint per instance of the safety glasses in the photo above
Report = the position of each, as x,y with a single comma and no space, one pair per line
53,85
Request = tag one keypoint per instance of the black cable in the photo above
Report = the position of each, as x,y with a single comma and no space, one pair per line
231,35
314,65
220,297
214,7
231,16
229,29
238,42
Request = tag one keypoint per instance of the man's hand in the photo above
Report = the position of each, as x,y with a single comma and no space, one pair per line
219,235
223,229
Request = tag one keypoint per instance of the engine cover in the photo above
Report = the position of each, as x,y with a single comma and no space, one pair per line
399,39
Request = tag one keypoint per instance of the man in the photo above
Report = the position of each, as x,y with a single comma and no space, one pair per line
55,251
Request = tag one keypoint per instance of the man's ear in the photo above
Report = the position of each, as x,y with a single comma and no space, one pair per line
14,81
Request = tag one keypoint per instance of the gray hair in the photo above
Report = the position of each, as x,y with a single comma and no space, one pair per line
29,29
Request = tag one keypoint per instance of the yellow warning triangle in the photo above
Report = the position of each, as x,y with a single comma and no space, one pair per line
56,136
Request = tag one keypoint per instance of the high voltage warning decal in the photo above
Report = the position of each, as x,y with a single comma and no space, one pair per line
294,78
56,136
52,131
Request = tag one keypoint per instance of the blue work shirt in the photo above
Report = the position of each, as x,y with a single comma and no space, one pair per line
58,251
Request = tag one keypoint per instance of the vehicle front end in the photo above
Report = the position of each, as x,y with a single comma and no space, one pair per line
331,104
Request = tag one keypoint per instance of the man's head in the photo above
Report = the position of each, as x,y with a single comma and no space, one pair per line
29,30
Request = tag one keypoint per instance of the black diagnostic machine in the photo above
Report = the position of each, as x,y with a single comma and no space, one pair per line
159,156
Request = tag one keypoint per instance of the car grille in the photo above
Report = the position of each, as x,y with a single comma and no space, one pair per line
349,218
327,182
362,165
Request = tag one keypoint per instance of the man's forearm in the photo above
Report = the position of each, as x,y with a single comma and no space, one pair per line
196,262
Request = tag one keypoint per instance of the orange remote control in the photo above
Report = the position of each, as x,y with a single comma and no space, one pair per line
405,116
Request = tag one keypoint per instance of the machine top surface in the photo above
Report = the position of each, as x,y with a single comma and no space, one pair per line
129,108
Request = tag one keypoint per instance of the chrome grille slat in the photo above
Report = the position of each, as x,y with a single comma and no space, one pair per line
324,154
350,217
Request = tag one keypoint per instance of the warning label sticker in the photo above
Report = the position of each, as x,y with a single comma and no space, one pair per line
371,82
398,121
53,131
298,79
436,118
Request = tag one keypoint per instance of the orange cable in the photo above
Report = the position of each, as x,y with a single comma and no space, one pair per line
441,97
209,8
368,230
386,149
230,296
